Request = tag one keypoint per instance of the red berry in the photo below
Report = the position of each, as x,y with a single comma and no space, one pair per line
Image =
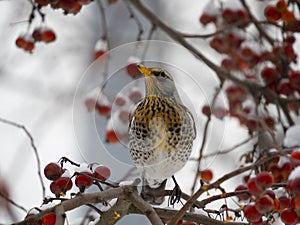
295,187
236,93
21,42
53,171
243,197
206,175
284,202
206,110
111,137
42,2
295,80
264,204
135,95
295,158
48,36
270,122
264,180
49,219
26,44
288,16
103,110
228,64
132,70
242,18
290,39
270,75
270,193
30,46
102,172
228,15
284,87
124,115
82,180
67,5
289,216
251,213
295,202
252,187
120,100
37,34
100,53
272,13
61,185
206,19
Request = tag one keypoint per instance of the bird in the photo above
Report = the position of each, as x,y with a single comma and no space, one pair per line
161,134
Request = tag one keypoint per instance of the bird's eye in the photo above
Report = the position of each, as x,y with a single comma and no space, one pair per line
156,73
160,74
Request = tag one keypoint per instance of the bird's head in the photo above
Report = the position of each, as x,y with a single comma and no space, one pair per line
158,82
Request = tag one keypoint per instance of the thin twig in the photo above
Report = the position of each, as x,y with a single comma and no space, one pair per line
78,201
105,38
35,150
13,202
257,25
230,149
136,20
218,90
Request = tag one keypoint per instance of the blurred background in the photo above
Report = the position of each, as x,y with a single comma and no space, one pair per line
45,91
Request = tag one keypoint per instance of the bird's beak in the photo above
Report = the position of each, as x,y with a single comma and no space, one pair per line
144,70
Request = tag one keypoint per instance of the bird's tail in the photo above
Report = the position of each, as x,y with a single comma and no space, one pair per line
154,196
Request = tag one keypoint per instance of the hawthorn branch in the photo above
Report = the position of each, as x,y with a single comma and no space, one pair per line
117,211
79,200
35,150
201,219
218,182
145,208
220,72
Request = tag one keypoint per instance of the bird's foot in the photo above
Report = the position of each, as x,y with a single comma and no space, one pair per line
175,193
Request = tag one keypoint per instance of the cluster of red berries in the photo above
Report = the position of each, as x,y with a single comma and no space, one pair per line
39,34
264,201
280,11
236,17
270,67
69,6
62,181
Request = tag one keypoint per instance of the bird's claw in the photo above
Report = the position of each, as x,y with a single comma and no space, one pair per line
175,195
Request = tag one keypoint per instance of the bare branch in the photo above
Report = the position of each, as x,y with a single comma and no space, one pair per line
145,208
78,201
12,202
35,150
